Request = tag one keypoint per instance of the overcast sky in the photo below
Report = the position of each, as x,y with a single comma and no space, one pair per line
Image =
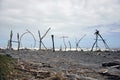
72,18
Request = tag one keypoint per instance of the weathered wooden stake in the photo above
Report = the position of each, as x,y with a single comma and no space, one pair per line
40,41
53,43
64,41
18,38
69,45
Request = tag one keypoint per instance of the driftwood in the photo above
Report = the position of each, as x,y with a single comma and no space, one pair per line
41,38
64,41
9,46
97,34
77,43
27,31
35,69
69,44
53,43
18,38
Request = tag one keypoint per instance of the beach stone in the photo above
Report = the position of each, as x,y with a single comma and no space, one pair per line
111,73
109,64
114,71
117,67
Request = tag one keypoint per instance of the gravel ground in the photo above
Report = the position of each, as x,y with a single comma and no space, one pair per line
88,64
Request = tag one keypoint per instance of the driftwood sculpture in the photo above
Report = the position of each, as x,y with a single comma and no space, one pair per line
27,32
9,46
18,38
97,34
41,38
64,41
53,43
77,43
69,44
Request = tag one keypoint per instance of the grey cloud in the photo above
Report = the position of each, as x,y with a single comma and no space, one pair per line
60,14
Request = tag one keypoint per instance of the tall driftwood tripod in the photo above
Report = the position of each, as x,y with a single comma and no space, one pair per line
96,41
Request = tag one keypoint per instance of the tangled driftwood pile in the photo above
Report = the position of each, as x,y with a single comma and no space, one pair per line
43,71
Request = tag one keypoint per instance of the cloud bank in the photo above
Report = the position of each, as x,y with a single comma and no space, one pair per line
66,17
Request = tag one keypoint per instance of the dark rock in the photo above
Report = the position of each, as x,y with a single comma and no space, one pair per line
8,55
117,67
46,65
109,64
112,73
110,76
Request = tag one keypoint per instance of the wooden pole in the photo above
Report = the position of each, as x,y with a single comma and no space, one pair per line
11,35
53,43
64,41
69,45
76,46
18,38
95,43
40,40
107,47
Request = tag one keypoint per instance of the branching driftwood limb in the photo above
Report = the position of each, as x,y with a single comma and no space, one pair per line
45,33
77,43
41,38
